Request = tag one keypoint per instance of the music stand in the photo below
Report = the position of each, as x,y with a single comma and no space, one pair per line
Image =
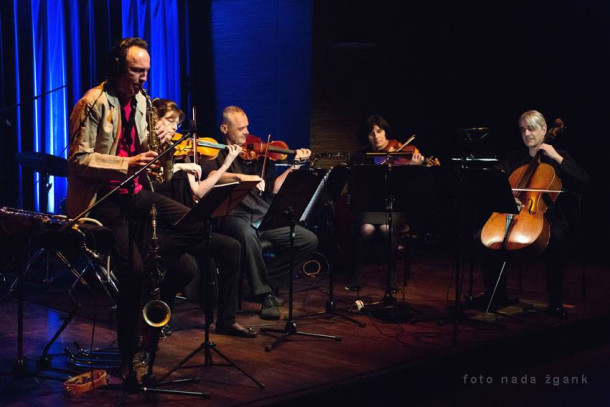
321,208
288,206
219,202
387,188
480,189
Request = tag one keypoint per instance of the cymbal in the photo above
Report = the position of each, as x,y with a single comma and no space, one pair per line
43,163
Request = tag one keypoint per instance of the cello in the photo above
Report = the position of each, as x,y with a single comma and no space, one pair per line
529,230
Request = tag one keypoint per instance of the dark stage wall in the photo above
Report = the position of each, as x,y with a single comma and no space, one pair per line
434,67
311,71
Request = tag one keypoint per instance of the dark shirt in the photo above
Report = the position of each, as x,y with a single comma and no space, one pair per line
255,205
573,177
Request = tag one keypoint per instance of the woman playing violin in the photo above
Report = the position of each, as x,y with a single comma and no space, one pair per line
170,114
377,131
372,226
223,248
533,128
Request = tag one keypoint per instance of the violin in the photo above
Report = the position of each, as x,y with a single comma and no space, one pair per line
528,230
255,148
206,147
402,154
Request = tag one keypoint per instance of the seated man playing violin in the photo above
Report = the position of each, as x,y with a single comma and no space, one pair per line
538,152
373,226
242,224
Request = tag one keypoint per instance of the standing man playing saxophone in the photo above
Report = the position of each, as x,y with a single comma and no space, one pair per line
109,139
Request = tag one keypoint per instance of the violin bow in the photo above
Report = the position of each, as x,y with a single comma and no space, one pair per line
265,159
406,142
194,110
397,151
195,158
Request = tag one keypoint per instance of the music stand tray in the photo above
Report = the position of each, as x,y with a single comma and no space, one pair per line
486,190
288,206
219,202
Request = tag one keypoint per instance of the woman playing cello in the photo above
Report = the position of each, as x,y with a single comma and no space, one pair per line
533,128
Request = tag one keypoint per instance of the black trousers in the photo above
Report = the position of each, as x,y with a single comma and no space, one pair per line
225,251
554,258
121,213
252,261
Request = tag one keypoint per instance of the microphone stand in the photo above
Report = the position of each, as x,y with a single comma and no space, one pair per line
4,109
123,184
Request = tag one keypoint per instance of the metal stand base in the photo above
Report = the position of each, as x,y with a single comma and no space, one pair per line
289,330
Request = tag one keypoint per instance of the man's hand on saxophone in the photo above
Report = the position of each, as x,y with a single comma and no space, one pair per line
138,161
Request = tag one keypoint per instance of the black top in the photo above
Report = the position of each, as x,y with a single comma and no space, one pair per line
573,177
255,205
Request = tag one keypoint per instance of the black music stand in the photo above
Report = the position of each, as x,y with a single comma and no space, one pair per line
485,190
321,209
288,206
219,202
387,188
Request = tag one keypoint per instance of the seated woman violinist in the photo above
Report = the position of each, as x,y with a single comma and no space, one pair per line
373,226
186,187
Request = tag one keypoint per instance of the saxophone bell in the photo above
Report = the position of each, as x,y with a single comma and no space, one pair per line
156,313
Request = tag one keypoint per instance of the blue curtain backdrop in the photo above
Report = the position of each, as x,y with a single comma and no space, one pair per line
255,53
59,50
262,63
157,22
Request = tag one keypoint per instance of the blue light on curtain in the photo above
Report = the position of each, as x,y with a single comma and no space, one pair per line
157,22
18,101
262,63
75,49
49,73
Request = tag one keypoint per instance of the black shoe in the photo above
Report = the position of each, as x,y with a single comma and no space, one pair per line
353,287
165,331
557,311
276,300
269,310
232,331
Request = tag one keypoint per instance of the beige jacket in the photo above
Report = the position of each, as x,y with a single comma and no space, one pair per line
92,158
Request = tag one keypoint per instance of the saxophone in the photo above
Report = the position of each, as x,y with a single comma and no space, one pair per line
165,163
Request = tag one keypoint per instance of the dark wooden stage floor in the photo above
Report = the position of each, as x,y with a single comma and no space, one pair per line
430,360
